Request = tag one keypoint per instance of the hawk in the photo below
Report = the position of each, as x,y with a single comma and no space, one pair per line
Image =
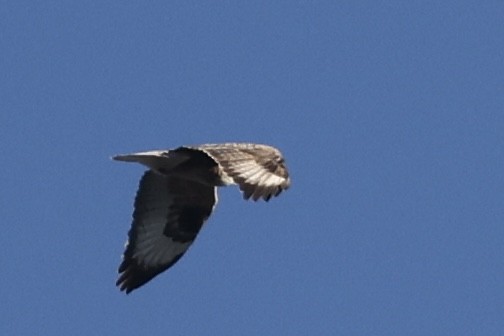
178,193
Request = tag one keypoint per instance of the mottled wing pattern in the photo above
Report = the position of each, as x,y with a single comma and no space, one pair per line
169,213
259,170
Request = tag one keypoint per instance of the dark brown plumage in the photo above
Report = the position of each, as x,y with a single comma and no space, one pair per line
178,193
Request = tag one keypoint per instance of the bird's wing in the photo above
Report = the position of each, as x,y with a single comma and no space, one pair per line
169,213
259,170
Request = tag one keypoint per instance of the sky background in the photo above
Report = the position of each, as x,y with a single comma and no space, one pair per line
391,118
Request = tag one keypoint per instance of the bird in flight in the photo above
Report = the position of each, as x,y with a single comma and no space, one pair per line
178,193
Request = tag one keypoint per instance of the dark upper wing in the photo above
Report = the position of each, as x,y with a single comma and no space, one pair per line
259,170
169,213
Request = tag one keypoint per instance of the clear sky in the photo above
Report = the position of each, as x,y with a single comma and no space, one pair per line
390,115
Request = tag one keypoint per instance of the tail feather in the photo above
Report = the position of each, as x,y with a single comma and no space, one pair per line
155,160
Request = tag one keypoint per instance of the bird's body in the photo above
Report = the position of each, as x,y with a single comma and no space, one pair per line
178,193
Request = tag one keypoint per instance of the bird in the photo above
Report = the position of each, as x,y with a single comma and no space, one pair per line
177,194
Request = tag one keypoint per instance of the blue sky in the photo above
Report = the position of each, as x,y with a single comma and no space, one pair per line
390,115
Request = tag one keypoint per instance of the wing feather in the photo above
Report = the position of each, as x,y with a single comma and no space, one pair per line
259,170
169,213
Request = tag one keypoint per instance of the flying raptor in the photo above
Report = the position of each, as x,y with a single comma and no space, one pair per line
178,193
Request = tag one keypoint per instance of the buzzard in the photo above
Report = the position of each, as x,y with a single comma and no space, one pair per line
178,193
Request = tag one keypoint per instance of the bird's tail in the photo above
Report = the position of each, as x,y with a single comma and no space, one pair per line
156,160
139,157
